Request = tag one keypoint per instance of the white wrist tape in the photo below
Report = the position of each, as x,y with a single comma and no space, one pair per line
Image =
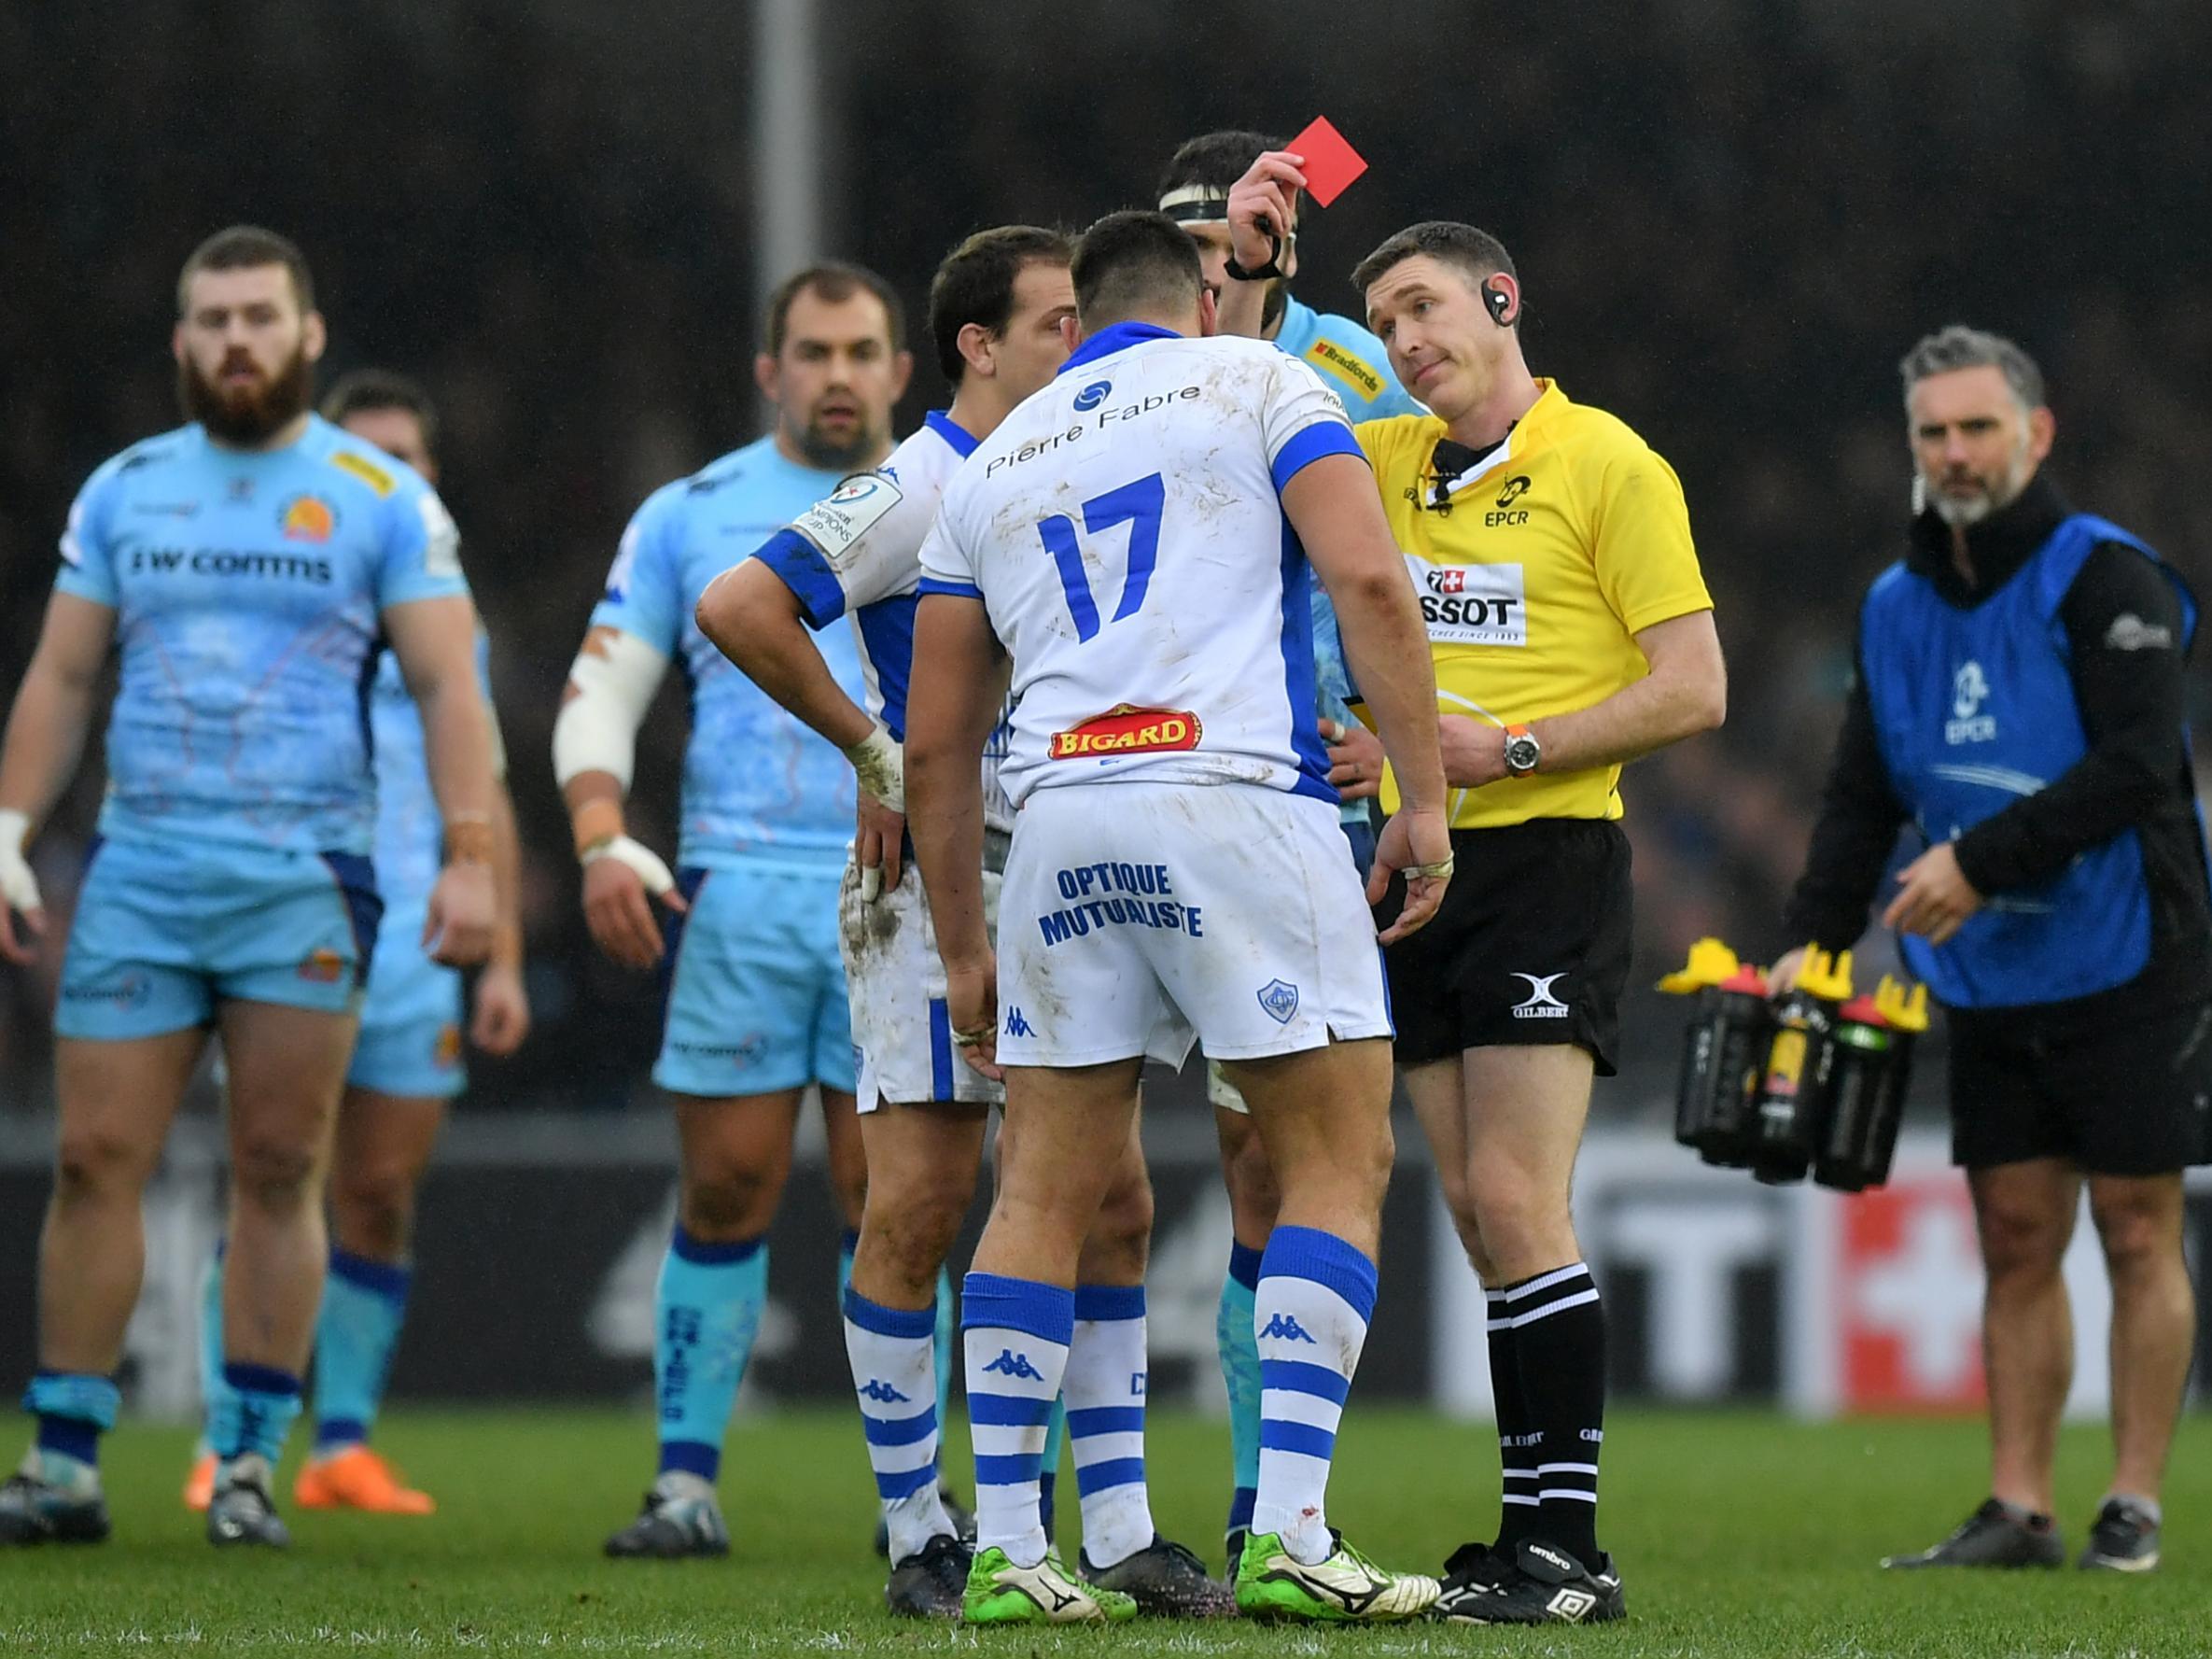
18,886
615,677
880,766
635,856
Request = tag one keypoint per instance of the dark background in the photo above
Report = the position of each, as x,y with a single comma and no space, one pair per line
1731,217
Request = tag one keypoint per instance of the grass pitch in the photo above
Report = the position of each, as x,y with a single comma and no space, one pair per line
1737,1534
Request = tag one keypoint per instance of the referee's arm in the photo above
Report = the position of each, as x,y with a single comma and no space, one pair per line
1685,693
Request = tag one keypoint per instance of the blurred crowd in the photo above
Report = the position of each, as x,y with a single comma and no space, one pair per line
1731,218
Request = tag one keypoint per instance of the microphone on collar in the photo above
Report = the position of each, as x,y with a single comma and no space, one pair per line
1445,463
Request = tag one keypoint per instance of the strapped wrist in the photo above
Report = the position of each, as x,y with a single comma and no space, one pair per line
594,824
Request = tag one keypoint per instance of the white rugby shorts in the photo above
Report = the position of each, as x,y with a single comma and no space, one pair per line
1137,918
902,1035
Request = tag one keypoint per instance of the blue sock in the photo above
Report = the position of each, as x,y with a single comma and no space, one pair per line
1016,1334
948,1326
1048,1472
1240,1370
258,1412
74,1410
364,1305
215,1395
706,1310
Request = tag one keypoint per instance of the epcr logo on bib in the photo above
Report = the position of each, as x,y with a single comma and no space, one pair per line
1970,690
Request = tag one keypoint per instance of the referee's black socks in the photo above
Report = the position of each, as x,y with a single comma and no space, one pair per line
1547,1335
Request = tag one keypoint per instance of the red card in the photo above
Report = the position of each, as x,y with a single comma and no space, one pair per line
1330,164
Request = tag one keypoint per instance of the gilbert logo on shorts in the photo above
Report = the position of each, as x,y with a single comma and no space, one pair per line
1541,1005
1128,729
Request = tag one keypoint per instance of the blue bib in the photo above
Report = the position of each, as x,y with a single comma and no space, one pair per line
1973,709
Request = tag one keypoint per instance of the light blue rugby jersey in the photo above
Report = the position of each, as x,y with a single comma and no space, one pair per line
410,833
757,784
1356,368
247,587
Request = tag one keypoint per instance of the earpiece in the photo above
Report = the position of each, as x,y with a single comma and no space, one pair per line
1499,301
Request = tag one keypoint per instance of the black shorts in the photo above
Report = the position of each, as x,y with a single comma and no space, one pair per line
2126,1100
1530,948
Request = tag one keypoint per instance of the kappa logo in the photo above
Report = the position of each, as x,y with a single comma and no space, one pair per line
1541,1005
1093,395
1278,1000
1010,1364
884,1394
1285,1328
1970,690
1016,1026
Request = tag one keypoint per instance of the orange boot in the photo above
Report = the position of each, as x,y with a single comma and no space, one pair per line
199,1488
356,1478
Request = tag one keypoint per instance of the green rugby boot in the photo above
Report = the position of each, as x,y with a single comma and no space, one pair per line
1000,1592
1346,1588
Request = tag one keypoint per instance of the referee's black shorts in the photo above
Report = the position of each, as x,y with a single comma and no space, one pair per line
2132,1099
1530,948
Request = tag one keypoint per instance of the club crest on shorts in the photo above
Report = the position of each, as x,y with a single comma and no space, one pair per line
1280,1000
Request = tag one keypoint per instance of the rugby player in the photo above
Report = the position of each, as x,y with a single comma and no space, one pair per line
1194,191
406,1063
748,951
1131,538
248,565
996,305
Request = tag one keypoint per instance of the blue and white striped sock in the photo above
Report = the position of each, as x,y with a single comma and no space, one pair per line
894,1360
1316,1294
1017,1333
1104,1389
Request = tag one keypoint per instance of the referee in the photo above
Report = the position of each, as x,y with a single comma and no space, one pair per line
1570,632
2020,701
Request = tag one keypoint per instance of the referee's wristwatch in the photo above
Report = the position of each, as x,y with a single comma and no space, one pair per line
1522,751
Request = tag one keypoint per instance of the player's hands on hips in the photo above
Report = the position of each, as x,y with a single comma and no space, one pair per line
1411,839
971,1008
1356,759
502,1018
18,892
877,837
457,931
1263,204
1473,751
1934,897
618,874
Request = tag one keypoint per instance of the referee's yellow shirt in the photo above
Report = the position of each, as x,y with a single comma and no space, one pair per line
1557,548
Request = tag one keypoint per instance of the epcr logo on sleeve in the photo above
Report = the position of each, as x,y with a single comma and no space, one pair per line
1471,604
859,504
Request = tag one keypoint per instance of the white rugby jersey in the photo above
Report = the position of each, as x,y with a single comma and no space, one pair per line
1124,529
860,552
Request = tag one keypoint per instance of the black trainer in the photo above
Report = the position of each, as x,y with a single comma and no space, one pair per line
1474,1571
2124,1539
241,1511
681,1518
1547,1586
930,1584
1166,1580
36,1511
962,1517
1992,1536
